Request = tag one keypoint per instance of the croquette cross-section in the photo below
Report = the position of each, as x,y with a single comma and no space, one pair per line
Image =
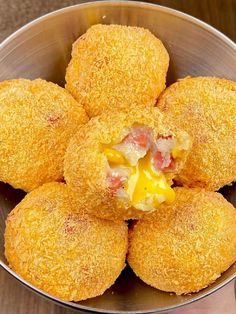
66,254
116,66
185,246
120,165
37,120
205,107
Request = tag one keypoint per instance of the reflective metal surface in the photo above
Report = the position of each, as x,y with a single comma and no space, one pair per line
42,49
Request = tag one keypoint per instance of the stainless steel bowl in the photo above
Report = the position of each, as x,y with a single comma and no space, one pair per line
42,49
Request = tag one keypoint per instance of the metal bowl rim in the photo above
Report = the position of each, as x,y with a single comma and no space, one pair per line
141,4
77,306
168,10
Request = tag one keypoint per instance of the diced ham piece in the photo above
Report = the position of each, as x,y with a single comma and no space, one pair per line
135,145
114,183
138,138
171,166
162,159
116,178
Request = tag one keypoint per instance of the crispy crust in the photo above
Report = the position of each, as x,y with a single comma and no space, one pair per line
37,120
116,66
184,247
69,255
85,168
205,107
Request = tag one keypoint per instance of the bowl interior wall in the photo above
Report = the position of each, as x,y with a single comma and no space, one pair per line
43,49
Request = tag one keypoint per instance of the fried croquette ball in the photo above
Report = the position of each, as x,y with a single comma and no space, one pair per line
116,66
185,246
37,120
205,107
120,165
66,254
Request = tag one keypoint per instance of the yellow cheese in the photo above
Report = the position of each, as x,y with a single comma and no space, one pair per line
176,152
143,182
148,184
113,156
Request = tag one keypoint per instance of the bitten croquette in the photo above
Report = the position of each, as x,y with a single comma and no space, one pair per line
115,66
38,118
205,107
120,165
185,246
66,254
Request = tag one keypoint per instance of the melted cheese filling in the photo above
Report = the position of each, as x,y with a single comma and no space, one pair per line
145,187
145,183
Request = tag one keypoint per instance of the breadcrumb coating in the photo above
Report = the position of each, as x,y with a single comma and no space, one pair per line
185,246
66,254
116,66
86,166
205,107
37,120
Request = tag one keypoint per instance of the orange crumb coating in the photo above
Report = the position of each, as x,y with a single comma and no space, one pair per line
184,247
205,107
116,66
66,254
37,120
86,165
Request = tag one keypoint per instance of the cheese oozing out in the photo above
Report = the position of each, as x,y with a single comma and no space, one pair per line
137,168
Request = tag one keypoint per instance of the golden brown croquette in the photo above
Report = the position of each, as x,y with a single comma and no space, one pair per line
205,107
66,254
37,120
120,165
116,66
185,246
